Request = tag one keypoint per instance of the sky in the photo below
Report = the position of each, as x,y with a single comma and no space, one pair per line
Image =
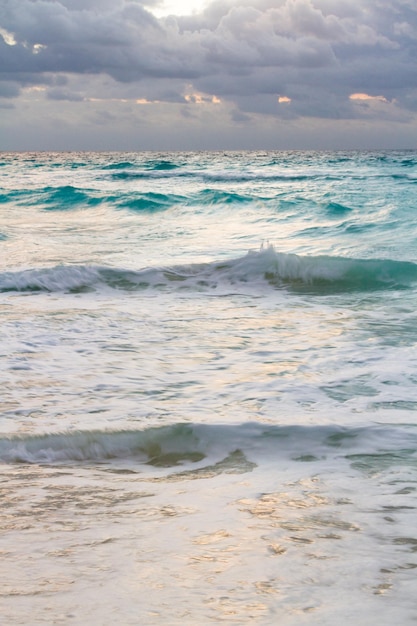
208,75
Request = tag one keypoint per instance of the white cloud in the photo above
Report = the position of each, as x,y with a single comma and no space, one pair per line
8,38
178,7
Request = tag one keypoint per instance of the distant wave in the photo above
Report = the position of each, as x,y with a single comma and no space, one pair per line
334,208
162,164
173,445
153,164
67,197
63,198
120,165
159,201
317,275
222,176
218,196
146,201
132,172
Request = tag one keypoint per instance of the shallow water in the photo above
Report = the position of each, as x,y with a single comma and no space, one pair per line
208,408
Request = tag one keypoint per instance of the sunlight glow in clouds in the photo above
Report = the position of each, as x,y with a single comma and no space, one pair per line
7,37
178,7
365,96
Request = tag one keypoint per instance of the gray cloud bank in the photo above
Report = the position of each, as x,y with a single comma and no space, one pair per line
287,59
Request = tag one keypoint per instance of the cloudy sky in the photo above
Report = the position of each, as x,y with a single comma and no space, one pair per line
214,74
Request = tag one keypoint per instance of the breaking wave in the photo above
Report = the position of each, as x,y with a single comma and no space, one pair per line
267,267
169,446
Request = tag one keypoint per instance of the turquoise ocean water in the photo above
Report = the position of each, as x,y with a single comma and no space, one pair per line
209,388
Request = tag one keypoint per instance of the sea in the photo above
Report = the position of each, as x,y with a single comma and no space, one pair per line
208,405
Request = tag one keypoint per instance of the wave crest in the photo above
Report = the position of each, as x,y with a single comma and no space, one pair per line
318,275
169,446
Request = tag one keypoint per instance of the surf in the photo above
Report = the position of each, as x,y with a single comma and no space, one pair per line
316,274
174,445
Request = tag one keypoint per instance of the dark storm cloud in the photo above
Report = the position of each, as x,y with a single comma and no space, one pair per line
315,52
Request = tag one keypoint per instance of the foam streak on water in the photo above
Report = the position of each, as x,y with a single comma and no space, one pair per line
208,407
